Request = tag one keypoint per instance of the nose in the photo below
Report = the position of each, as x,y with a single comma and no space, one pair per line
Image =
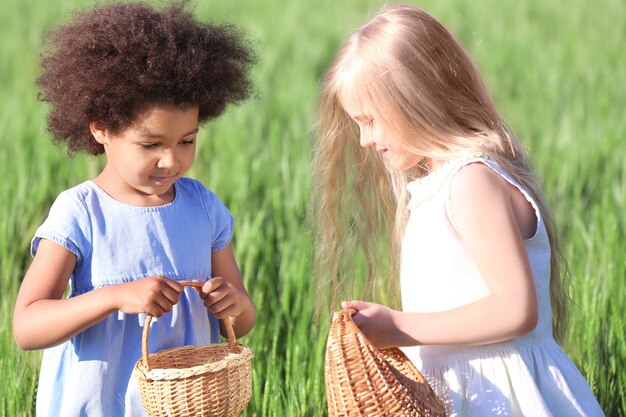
365,140
168,159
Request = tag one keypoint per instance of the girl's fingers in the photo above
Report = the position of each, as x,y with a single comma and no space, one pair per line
215,297
357,319
160,306
171,294
227,306
168,297
219,291
219,302
224,309
155,310
356,306
176,286
211,285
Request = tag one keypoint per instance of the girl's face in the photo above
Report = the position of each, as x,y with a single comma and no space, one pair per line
378,133
144,160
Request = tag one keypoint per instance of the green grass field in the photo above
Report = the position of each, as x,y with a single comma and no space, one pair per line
557,71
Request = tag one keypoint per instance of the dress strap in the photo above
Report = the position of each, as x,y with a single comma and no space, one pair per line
425,188
485,160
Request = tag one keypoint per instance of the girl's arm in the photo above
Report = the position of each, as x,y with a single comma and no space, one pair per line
225,295
41,317
489,215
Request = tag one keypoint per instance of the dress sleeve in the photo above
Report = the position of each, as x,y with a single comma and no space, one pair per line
67,225
222,222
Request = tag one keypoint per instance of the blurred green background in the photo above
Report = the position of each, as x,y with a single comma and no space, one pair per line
558,74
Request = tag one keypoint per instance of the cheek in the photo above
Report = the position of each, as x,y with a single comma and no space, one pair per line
189,156
124,158
410,160
141,164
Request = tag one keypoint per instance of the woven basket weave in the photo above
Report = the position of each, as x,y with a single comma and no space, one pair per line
206,380
364,381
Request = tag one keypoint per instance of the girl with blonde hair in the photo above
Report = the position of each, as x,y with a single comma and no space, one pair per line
411,147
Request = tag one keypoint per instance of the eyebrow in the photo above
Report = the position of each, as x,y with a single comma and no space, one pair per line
150,135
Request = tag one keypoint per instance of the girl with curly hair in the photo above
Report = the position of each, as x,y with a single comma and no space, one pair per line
411,147
132,82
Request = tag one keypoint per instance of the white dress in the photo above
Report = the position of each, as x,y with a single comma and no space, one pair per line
527,376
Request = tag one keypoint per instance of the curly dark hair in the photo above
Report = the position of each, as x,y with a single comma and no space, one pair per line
113,62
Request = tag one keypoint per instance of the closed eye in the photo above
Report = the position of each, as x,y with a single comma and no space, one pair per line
364,121
188,141
149,145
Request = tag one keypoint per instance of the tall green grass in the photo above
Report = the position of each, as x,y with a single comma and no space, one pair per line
557,72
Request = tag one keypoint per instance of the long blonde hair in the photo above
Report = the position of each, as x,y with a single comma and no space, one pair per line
420,80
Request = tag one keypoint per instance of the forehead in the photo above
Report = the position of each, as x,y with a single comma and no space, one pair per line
355,103
361,104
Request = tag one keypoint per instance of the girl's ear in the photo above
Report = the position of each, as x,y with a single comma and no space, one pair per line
99,132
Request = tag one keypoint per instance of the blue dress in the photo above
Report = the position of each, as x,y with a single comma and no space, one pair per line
91,374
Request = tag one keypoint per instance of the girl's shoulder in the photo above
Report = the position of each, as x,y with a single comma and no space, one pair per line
474,185
197,193
77,196
217,214
479,175
482,176
196,188
470,169
69,221
481,187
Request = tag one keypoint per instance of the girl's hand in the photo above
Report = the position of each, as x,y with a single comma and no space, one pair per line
377,322
154,295
222,298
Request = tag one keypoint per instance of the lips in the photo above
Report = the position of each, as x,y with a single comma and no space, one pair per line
164,179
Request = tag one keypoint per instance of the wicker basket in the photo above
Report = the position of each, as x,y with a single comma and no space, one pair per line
364,381
210,380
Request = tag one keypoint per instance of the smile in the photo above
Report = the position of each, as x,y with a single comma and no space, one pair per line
164,179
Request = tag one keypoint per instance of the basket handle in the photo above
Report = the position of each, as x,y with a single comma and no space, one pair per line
232,340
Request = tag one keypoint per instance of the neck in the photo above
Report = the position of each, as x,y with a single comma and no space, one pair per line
125,193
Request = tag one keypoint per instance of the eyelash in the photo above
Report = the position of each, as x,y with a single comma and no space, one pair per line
150,146
366,123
